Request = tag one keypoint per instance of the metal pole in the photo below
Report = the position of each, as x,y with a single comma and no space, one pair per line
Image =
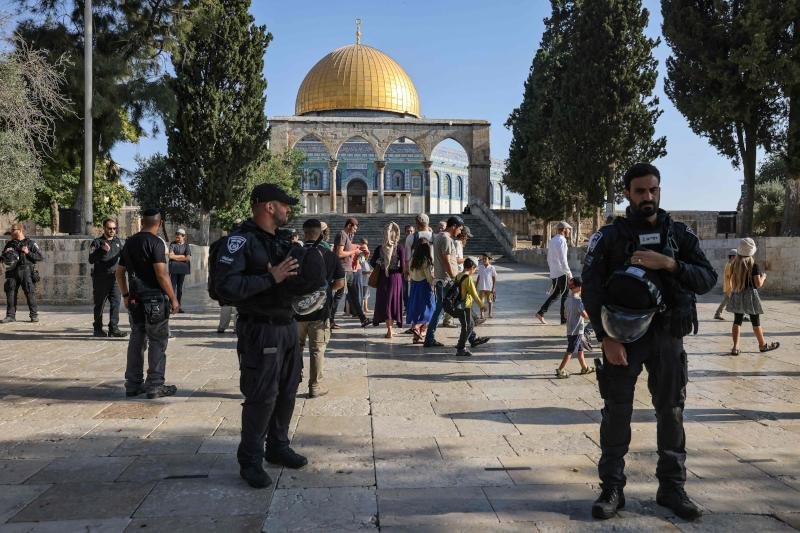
88,159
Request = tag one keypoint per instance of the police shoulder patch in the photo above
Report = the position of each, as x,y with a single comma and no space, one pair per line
593,240
235,243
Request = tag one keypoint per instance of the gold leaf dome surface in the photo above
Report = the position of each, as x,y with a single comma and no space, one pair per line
357,77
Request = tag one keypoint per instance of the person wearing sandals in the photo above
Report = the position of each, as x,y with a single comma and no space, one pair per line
746,279
421,300
389,259
576,344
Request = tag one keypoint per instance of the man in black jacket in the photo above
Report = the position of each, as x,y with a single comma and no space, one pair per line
253,273
104,255
646,242
23,253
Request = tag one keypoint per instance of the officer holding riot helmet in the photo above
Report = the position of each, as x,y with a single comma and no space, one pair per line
640,277
20,256
254,271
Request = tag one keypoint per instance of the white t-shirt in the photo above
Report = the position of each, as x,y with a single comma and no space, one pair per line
460,254
485,275
557,257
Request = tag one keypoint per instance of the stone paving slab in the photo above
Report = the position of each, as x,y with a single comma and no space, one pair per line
408,439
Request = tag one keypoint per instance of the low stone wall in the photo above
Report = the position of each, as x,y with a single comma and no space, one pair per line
66,272
778,256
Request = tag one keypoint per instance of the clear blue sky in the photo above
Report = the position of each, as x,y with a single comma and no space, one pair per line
468,59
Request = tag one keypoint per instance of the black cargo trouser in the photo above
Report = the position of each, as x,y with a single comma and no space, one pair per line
104,287
22,278
665,359
558,288
270,364
152,338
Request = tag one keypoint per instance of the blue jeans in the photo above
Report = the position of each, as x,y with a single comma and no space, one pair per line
438,290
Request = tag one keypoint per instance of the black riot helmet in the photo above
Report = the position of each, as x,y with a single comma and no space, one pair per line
10,259
634,298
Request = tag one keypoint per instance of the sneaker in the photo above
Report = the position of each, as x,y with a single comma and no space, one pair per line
463,353
99,333
316,393
479,341
8,319
610,501
718,317
541,319
134,392
561,373
366,322
161,391
676,499
116,332
256,476
432,344
34,319
286,457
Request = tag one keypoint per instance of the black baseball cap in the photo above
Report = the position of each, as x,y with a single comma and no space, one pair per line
267,192
455,220
312,223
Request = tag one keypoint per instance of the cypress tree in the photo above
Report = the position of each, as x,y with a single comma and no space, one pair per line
605,112
722,76
220,130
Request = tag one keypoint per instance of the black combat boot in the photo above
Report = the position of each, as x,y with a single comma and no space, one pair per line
255,475
8,319
99,333
161,391
114,331
610,501
675,498
286,457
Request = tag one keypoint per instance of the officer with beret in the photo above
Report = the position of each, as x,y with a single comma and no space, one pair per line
253,272
640,277
104,255
20,256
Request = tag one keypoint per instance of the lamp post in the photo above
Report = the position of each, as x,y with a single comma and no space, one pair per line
88,159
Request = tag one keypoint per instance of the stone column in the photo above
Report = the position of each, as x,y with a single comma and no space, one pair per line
332,164
426,186
479,183
381,167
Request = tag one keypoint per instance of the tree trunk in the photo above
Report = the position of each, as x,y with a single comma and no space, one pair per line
205,227
577,222
791,210
596,219
54,222
610,200
749,167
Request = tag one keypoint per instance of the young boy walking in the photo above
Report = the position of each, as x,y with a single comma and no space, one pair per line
468,294
487,281
573,309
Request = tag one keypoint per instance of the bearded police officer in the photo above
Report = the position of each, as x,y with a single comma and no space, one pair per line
104,255
640,277
20,256
253,271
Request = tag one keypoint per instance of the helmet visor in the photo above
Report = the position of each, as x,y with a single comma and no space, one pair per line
625,325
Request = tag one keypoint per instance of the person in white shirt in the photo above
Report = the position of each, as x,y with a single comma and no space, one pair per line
559,270
487,280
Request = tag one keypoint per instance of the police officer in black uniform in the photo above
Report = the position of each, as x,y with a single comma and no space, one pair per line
644,249
104,255
252,270
25,253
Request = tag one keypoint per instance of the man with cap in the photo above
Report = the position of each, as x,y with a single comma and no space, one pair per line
445,268
314,326
104,255
23,253
640,278
180,263
560,272
254,270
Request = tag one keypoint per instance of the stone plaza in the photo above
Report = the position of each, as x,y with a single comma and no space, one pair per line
406,440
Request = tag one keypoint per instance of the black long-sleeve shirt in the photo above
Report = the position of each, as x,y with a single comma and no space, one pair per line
610,248
104,262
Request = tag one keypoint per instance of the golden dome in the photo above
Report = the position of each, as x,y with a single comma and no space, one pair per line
357,77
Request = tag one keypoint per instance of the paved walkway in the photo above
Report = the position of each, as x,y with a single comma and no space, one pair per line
406,440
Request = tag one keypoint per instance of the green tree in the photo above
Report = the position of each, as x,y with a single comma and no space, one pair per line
129,81
722,76
604,112
768,207
155,186
532,166
284,170
30,103
220,130
788,16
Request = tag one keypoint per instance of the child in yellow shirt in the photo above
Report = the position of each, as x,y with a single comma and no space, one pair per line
468,294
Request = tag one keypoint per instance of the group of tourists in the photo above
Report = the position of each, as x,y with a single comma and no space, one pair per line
636,295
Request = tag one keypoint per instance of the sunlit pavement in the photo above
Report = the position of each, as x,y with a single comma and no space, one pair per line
406,439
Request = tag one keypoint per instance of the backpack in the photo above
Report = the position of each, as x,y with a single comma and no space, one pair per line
213,257
452,303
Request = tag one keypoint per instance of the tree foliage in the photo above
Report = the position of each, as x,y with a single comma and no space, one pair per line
723,77
30,103
155,186
220,130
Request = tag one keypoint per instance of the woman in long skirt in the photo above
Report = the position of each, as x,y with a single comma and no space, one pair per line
389,259
746,279
421,301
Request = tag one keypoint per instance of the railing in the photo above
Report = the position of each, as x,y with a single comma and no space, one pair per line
504,236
